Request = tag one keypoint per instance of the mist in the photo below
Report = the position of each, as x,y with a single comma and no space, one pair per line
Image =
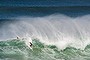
57,29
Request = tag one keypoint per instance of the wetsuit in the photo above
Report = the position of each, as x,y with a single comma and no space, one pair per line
30,44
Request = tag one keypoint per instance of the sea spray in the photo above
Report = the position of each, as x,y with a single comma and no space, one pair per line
59,30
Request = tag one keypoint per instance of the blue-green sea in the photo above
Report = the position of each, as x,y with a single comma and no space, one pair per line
17,50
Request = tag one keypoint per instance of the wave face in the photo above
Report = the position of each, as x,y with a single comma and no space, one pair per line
18,50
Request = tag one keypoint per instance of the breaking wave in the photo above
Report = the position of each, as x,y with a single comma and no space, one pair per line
59,30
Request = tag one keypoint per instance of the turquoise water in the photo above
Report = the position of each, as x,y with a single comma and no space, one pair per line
17,50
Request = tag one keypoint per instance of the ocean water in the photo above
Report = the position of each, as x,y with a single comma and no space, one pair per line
57,33
17,50
72,11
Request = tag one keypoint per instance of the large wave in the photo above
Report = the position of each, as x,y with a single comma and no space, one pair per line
59,30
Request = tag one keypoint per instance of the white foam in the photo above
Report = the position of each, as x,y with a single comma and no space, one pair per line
59,30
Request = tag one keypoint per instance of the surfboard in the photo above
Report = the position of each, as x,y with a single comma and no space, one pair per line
27,42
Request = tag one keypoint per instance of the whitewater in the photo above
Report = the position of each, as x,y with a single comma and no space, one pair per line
54,37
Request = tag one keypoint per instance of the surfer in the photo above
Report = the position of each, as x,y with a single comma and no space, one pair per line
17,37
30,44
